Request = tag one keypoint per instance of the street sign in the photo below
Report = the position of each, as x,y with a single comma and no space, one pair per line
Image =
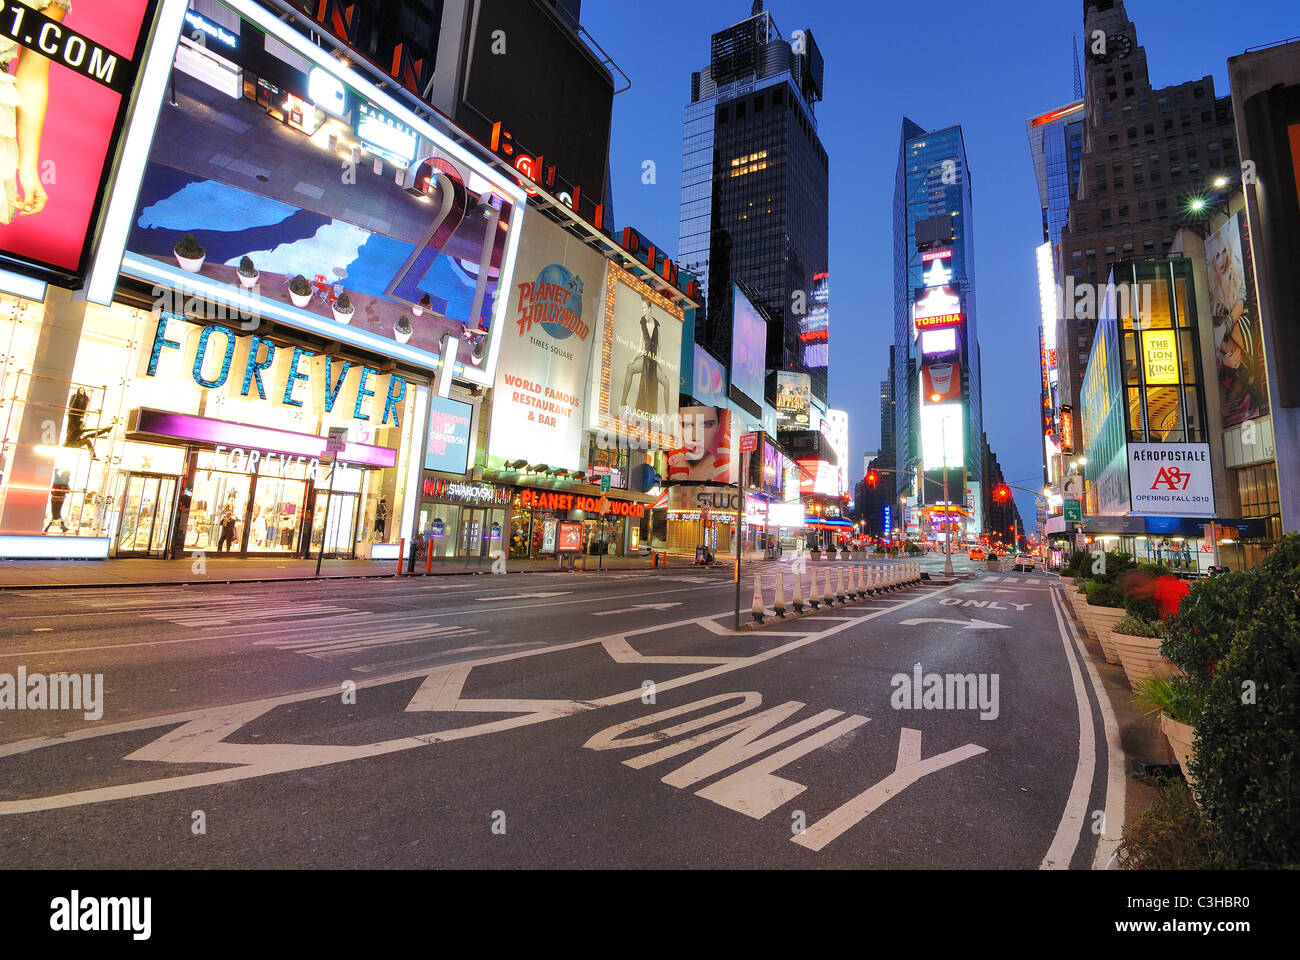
1073,511
1072,487
337,441
604,483
748,443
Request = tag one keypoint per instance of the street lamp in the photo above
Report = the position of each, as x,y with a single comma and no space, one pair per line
947,510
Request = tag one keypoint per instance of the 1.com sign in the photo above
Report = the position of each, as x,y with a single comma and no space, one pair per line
1171,479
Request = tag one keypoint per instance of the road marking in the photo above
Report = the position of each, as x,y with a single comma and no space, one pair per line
968,624
636,606
1069,832
248,761
983,604
523,596
908,769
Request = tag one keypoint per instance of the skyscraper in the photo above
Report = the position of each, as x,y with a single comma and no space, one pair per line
1145,150
755,193
938,420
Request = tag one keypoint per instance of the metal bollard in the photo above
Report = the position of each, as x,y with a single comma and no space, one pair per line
758,598
401,555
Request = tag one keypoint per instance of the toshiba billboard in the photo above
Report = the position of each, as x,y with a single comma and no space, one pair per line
1170,479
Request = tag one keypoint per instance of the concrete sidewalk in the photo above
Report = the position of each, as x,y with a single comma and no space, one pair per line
85,574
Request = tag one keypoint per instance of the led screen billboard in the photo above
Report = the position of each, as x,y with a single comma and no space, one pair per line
793,399
942,441
66,79
748,349
709,383
706,452
941,382
279,163
449,431
635,383
1238,335
552,314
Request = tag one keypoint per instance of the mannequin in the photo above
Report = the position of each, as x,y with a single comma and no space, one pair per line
381,519
58,493
76,435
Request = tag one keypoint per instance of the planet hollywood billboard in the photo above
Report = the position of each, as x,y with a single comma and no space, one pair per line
552,313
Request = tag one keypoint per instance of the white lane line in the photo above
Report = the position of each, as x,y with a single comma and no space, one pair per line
1116,781
1069,832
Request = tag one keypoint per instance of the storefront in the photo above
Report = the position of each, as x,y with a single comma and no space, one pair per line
702,516
463,519
610,524
127,434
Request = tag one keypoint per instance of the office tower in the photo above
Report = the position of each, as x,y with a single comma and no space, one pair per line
1145,150
755,193
938,418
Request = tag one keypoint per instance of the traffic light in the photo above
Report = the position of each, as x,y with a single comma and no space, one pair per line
872,479
1001,493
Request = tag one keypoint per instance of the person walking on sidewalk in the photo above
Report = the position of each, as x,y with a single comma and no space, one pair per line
227,531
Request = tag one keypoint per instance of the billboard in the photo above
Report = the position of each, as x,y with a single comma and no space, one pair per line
449,432
793,399
941,382
705,454
1238,337
635,384
937,307
709,382
748,348
1160,357
283,180
552,313
943,340
66,82
1171,479
942,441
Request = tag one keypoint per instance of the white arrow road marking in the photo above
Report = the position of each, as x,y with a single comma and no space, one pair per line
523,596
636,606
968,624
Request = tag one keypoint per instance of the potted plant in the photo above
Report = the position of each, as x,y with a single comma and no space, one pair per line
300,291
425,303
1137,642
248,273
1177,702
189,253
343,308
402,329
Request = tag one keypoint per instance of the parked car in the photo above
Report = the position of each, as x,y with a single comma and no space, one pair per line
977,553
1024,563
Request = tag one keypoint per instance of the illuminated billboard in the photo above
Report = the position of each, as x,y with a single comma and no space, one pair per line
635,380
67,80
1238,335
793,399
748,349
349,218
940,382
706,452
942,439
539,400
709,381
943,340
937,307
449,433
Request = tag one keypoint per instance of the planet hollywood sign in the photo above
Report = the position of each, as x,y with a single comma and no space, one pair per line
601,506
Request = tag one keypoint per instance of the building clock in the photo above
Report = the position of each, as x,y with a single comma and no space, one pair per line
1118,47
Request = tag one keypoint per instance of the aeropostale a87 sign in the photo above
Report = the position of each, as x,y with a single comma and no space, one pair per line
1171,479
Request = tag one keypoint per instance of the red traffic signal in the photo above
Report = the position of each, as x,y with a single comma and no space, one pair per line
1001,493
872,478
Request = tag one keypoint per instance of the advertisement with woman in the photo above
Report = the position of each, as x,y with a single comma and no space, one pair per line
1238,339
66,69
705,454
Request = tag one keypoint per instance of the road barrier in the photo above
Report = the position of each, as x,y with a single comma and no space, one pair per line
778,602
758,597
798,593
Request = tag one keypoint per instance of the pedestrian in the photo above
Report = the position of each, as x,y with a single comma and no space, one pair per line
227,537
1166,590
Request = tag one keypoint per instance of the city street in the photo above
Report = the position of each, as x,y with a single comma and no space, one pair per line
555,720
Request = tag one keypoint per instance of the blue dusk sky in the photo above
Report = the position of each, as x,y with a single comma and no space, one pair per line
986,66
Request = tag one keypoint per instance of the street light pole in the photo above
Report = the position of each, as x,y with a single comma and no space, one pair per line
947,513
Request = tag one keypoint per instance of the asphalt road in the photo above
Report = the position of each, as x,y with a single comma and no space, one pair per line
555,720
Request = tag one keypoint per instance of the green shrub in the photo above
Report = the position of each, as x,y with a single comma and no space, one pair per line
1116,563
1136,626
1171,835
1200,633
1103,594
1178,697
1247,762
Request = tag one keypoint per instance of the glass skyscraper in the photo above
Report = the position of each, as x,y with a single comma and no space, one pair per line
755,193
934,262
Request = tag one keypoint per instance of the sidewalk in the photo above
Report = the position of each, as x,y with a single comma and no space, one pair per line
83,574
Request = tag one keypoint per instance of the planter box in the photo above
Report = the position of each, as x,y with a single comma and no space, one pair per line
1103,620
1141,658
300,299
1180,736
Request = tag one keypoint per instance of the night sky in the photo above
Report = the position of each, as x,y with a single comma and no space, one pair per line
986,66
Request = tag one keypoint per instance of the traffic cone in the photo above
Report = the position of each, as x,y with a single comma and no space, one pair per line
798,593
758,598
778,602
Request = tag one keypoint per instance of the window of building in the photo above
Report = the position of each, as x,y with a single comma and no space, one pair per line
1128,248
1161,205
1119,183
1105,213
1178,97
1144,206
740,109
1163,101
1198,92
1138,179
1131,133
1212,146
1110,114
1149,129
1193,167
1129,91
1090,252
1123,210
1076,256
1205,116
1113,138
1110,79
1148,245
1169,124
1128,110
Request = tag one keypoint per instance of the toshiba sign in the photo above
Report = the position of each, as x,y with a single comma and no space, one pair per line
1170,479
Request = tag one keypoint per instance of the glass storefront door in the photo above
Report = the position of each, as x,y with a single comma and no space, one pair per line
278,504
336,523
147,505
483,532
217,496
